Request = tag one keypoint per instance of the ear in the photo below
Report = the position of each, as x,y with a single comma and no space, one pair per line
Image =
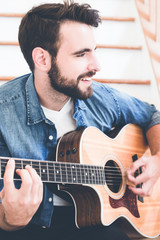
42,59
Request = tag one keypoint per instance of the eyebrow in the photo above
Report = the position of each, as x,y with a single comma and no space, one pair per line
83,51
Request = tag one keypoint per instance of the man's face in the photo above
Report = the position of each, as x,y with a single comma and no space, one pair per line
75,63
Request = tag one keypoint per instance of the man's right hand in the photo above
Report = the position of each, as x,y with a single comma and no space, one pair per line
19,205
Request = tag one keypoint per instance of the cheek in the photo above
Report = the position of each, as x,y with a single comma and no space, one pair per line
70,66
71,69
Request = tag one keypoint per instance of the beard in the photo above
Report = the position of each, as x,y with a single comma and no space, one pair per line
69,87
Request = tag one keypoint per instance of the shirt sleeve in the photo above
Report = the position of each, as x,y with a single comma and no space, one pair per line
133,110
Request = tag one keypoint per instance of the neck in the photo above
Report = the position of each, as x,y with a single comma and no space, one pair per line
48,96
53,102
59,172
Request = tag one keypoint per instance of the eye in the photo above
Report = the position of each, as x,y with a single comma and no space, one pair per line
80,54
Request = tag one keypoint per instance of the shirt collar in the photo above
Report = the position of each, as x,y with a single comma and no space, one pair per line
79,105
35,113
34,110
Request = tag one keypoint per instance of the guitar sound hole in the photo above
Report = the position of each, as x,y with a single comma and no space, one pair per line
113,176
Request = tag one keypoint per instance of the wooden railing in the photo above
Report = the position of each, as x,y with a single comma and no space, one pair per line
6,43
103,18
104,46
102,80
150,20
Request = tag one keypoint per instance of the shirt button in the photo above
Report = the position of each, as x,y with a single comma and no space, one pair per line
50,137
50,199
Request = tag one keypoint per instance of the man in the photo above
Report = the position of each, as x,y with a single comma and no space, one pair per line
59,96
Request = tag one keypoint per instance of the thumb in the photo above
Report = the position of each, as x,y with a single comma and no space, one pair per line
1,194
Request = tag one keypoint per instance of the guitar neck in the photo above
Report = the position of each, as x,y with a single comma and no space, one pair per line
57,172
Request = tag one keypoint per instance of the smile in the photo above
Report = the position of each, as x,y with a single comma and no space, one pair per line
86,79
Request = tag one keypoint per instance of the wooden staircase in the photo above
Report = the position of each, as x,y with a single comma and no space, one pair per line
128,45
149,12
122,48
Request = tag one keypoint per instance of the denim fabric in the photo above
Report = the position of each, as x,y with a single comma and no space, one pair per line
25,131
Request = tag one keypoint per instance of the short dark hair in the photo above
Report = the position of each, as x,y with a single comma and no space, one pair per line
40,26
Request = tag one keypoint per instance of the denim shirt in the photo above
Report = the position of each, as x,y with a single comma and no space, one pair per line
25,131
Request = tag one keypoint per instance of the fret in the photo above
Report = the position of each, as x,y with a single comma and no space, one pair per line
90,174
86,174
44,173
18,165
26,162
36,165
83,179
101,175
64,172
47,171
97,175
79,177
69,173
40,173
54,171
58,174
92,169
3,165
73,172
51,171
2,168
31,163
22,165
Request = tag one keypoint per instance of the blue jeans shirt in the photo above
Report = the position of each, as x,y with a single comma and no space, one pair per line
25,131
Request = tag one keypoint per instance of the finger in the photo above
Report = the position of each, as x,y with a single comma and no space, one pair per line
32,172
136,165
26,181
8,177
37,186
137,191
34,175
141,178
141,191
1,194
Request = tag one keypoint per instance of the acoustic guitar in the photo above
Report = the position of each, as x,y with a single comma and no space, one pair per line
91,167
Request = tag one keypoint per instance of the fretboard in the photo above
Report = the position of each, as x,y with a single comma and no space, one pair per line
58,172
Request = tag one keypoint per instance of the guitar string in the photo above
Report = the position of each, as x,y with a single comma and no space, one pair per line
79,175
99,182
60,164
94,177
66,182
107,169
89,181
66,166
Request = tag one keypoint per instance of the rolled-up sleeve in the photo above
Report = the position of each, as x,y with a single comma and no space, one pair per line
154,120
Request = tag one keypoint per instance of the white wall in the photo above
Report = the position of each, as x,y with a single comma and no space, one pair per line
115,63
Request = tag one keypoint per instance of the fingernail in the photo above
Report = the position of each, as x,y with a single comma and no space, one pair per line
11,161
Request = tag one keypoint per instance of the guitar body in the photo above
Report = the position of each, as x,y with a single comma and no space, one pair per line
103,204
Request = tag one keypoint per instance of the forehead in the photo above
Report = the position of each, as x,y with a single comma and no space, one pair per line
75,35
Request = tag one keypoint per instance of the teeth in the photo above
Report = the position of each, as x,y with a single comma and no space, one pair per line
86,79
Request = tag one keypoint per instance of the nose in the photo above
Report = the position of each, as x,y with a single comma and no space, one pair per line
94,64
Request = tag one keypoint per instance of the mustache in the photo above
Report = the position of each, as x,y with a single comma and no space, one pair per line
88,74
